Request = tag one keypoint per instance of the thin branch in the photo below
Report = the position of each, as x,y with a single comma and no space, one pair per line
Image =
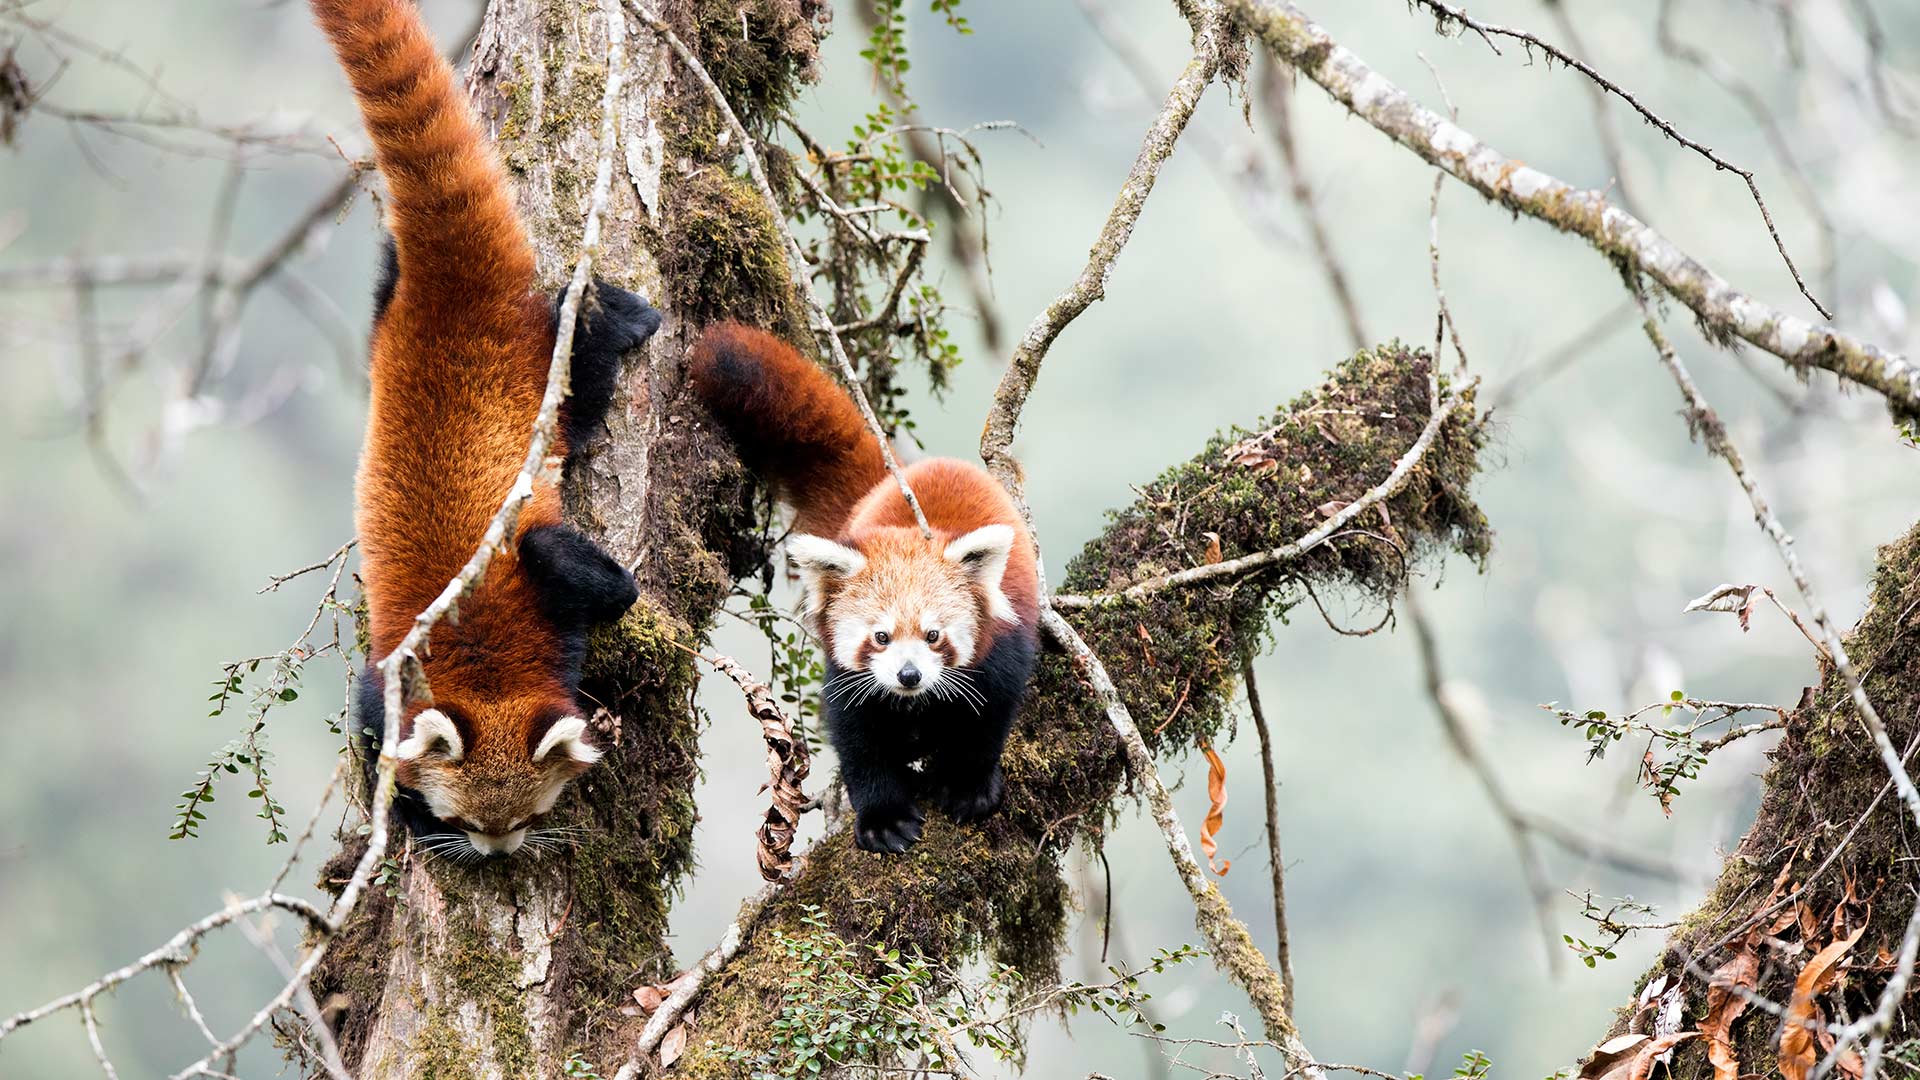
694,979
1282,949
796,260
1276,87
1615,233
1232,947
1449,14
1003,418
1532,868
1233,569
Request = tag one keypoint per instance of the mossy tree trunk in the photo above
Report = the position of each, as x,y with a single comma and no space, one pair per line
458,972
1829,853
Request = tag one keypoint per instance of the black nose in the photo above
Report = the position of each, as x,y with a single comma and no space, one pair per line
909,676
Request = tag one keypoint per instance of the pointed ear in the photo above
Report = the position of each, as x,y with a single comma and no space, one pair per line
566,740
432,729
983,553
819,560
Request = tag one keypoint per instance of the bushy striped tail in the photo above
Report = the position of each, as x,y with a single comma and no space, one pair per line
791,422
449,206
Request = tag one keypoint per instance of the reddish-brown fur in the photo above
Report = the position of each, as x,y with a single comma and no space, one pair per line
459,365
795,426
790,422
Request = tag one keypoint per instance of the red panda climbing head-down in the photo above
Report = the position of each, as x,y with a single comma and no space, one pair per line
930,642
459,357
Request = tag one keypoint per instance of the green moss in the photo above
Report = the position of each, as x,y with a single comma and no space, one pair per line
1824,776
997,886
727,260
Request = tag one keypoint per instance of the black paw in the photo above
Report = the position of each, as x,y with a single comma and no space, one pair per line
577,583
974,801
891,830
612,323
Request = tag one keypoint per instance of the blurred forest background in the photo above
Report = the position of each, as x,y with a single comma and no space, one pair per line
1413,936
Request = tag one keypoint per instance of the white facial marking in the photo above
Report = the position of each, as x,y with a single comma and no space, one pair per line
818,560
889,662
566,738
983,554
498,845
432,730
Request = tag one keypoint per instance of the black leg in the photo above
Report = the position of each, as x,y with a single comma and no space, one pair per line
579,584
965,778
612,323
878,784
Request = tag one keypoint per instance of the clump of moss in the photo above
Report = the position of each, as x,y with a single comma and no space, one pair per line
1825,773
726,260
998,886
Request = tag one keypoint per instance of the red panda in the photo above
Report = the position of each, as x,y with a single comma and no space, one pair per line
460,350
929,643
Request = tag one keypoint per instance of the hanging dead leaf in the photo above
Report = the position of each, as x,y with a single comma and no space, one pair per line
1737,599
788,764
1213,548
1797,1053
1608,1053
1216,809
1725,1003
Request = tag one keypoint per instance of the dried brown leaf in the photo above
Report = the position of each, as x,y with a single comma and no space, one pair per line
788,764
1216,809
1213,554
1797,1053
1725,1003
673,1045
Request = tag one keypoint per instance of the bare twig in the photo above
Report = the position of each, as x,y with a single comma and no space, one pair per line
1449,14
1282,949
1615,233
1003,418
796,260
695,978
1232,947
1276,87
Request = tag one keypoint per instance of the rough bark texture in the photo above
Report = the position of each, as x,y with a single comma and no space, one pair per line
1829,850
507,971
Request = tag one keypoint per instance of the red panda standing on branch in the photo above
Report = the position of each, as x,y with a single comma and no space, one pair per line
460,352
929,642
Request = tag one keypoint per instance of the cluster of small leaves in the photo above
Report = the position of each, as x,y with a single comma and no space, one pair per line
1681,756
249,750
1474,1065
263,683
844,1006
1908,433
795,668
388,879
578,1068
889,312
1608,921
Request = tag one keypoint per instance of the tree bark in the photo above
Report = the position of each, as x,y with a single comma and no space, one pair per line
508,971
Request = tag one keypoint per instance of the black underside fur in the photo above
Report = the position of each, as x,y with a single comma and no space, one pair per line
578,584
879,739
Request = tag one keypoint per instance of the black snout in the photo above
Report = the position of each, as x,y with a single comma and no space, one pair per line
909,676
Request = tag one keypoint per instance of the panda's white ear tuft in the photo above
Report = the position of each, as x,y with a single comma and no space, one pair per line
983,554
819,560
567,739
432,730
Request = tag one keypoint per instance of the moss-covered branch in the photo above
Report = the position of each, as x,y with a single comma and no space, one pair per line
996,889
1827,853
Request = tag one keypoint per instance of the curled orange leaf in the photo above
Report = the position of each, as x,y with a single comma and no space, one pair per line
1216,809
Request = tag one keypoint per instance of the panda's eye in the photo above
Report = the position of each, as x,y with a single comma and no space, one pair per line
881,637
933,637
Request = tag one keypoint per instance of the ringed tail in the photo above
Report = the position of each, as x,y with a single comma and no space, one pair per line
792,424
449,207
